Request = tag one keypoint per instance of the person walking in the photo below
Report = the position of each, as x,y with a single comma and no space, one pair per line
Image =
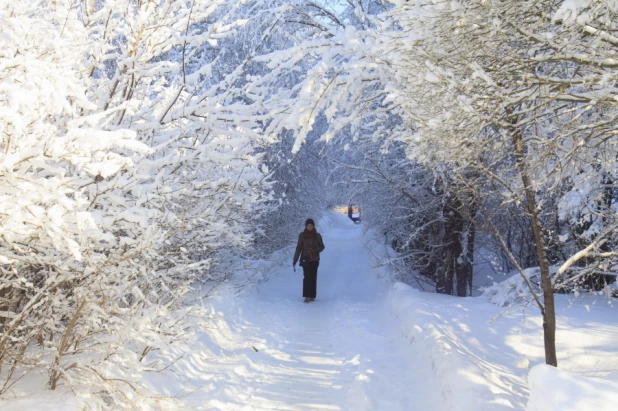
308,248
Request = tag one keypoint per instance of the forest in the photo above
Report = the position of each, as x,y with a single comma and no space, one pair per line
151,150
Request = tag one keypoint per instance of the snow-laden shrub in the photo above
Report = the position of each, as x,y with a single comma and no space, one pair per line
514,289
124,178
612,289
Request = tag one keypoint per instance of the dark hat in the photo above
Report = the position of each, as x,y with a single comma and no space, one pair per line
309,221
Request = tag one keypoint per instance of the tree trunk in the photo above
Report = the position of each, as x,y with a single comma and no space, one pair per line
459,263
606,209
461,272
549,314
453,266
470,248
444,282
462,279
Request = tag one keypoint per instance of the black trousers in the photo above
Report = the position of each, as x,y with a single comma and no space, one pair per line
310,278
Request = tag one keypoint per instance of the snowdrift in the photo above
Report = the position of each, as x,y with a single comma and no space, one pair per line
468,381
488,357
555,389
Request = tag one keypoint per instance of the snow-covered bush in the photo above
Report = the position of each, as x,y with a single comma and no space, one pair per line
127,174
518,287
514,289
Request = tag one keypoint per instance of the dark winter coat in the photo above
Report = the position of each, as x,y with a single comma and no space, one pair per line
309,245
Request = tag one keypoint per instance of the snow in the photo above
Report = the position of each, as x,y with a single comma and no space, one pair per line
367,344
337,353
513,290
475,367
569,11
46,400
553,388
482,352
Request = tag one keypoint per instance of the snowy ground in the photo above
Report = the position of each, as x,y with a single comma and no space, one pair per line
337,353
366,344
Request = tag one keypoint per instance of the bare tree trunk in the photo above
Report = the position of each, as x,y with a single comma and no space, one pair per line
549,314
470,248
606,210
453,267
444,282
461,273
459,263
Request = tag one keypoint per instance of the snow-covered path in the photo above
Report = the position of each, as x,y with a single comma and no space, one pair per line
338,353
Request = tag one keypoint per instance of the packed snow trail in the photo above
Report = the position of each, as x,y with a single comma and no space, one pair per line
340,352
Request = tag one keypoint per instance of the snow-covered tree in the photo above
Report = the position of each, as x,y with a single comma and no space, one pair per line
129,170
516,96
513,102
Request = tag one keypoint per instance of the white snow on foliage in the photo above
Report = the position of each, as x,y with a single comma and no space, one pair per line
143,153
514,289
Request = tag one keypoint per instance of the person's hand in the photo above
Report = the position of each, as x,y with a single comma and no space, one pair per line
314,250
293,263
